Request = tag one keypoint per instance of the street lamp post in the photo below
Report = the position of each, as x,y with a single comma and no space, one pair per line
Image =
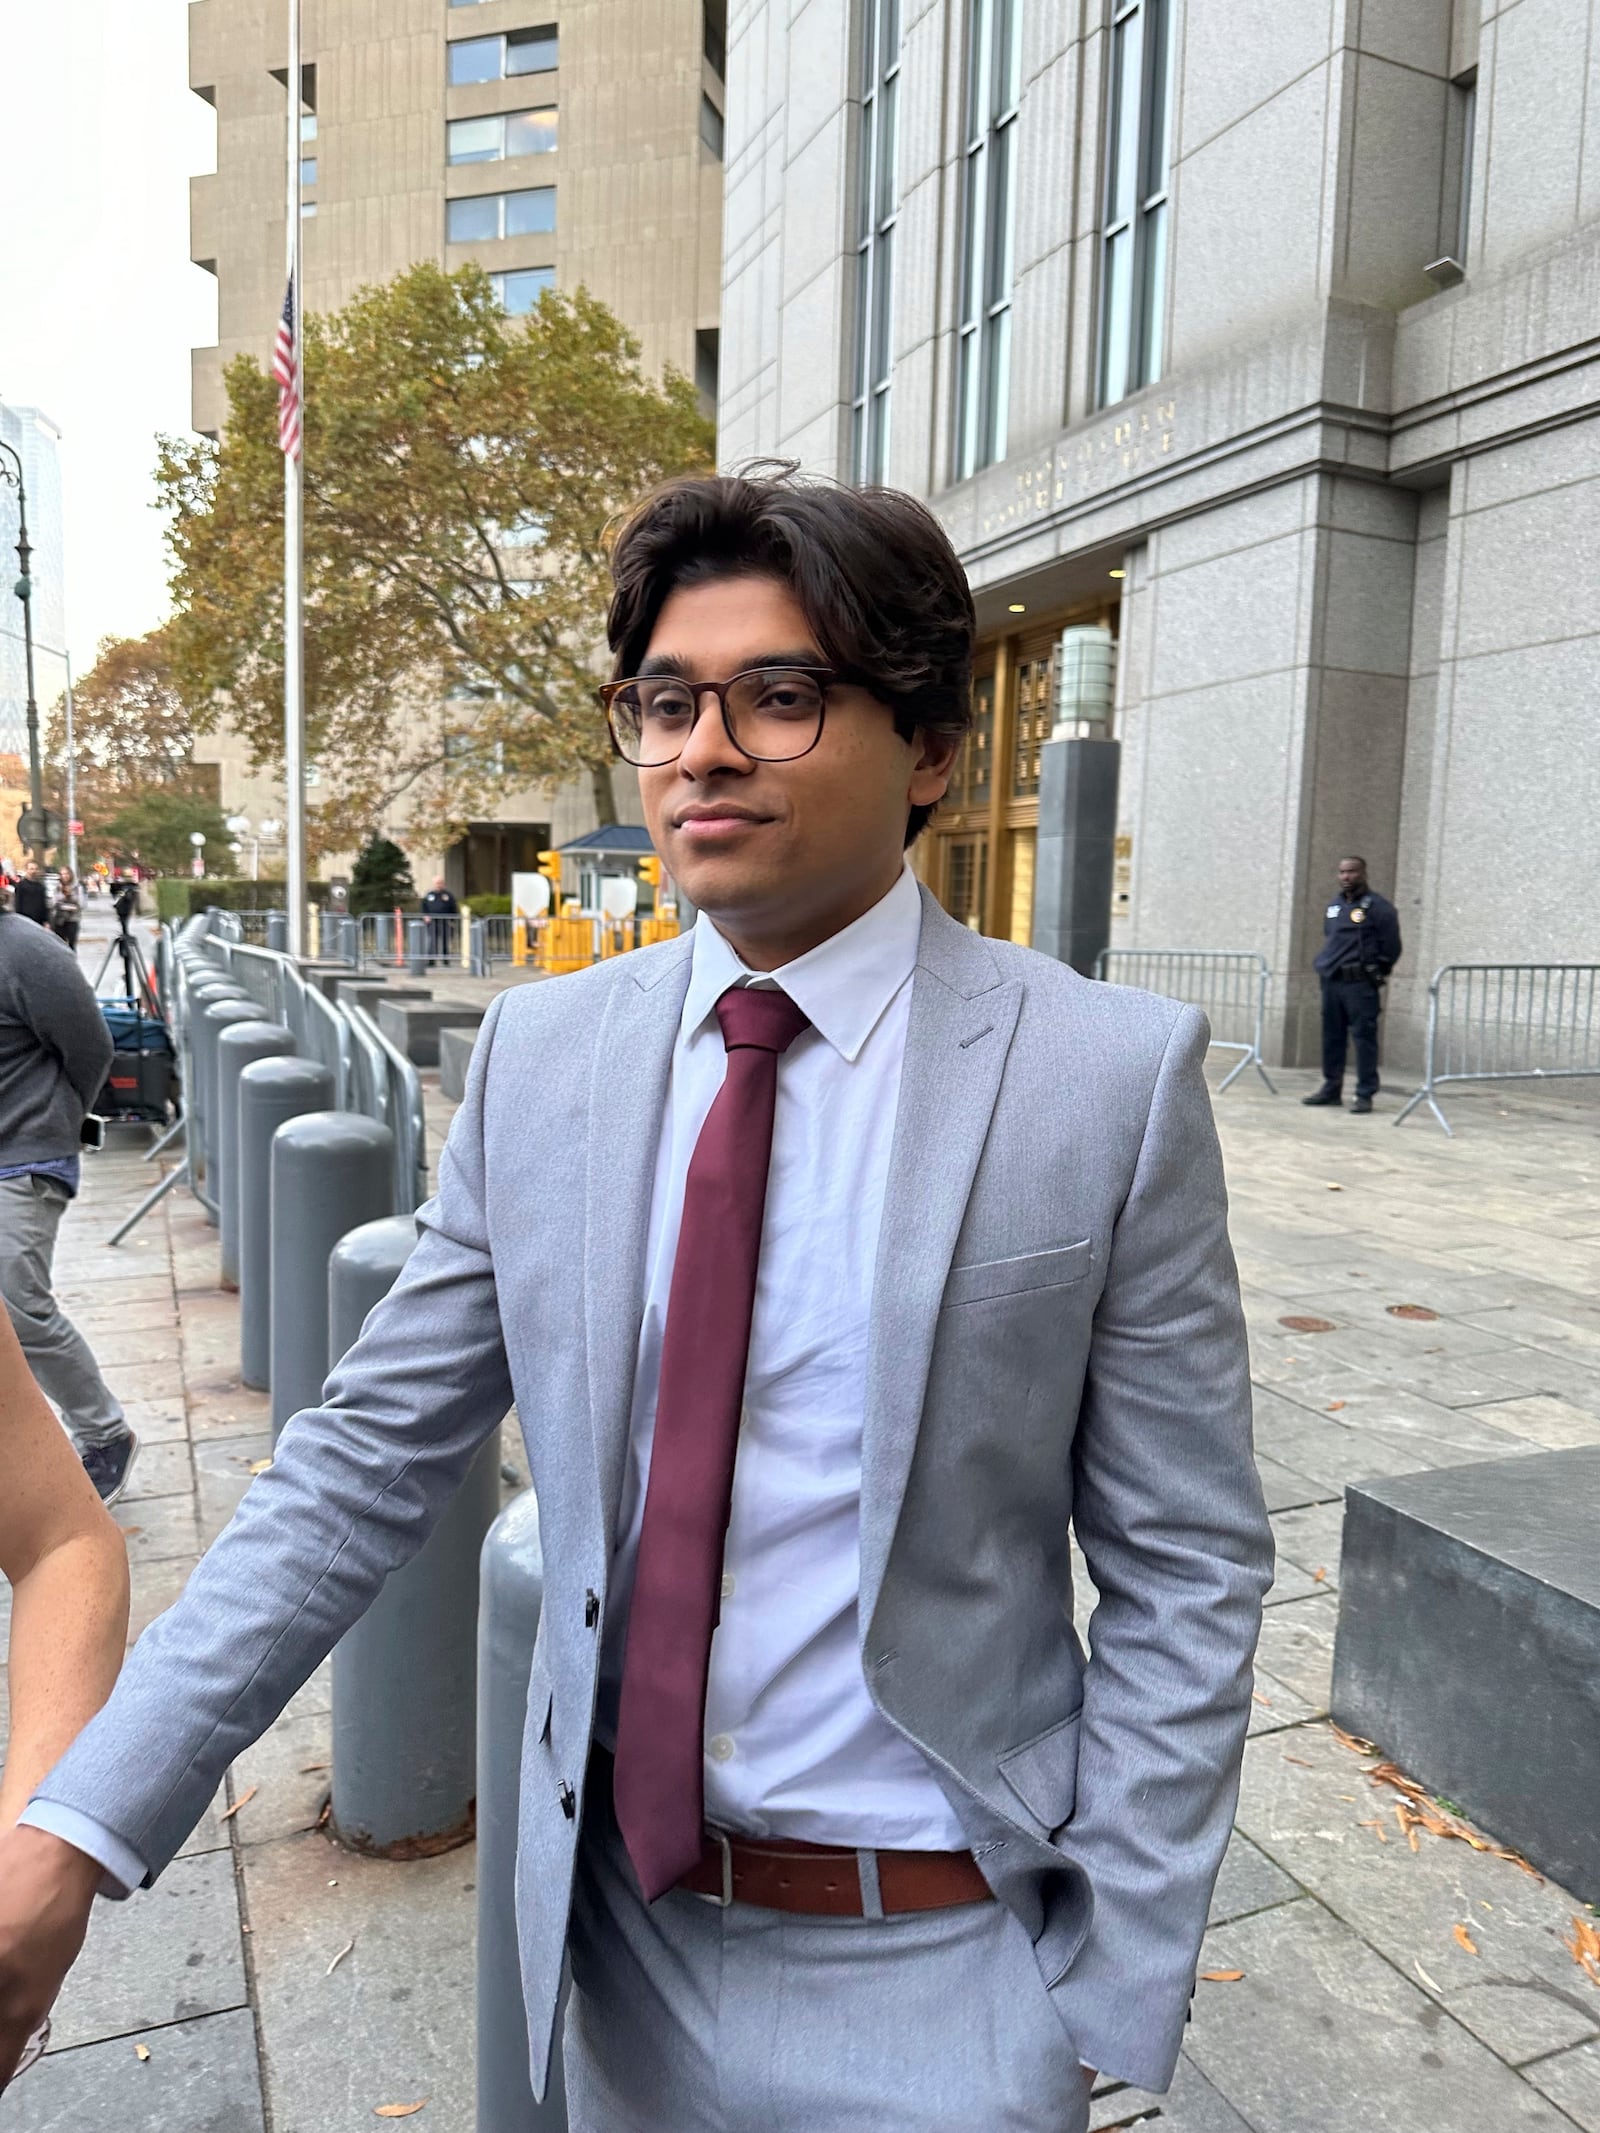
24,592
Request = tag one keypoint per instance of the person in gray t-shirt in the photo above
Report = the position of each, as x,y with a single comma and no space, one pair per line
55,1052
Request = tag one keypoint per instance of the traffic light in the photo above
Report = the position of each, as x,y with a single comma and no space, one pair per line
550,867
650,871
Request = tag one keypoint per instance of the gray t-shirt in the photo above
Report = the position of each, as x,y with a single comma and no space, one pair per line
55,1049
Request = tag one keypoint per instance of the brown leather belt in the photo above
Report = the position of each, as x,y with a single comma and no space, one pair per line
782,1874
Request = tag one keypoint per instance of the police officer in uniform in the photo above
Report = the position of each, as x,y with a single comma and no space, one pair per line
1360,946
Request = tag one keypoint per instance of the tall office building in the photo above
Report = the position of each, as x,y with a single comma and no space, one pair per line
37,442
553,141
1248,355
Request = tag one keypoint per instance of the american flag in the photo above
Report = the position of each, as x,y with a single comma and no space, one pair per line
286,369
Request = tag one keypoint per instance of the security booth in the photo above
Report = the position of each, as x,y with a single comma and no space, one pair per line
613,853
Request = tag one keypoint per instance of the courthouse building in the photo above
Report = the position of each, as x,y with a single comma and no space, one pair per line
552,141
1251,355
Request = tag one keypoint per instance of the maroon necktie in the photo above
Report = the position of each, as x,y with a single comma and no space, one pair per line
660,1772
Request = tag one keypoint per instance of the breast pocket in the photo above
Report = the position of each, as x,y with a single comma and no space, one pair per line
990,1278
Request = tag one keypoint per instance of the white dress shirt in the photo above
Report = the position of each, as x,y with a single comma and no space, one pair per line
795,1746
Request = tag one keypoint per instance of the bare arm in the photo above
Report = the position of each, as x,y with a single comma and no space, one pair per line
69,1569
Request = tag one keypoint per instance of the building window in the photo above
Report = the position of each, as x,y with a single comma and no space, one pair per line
1133,248
474,59
308,210
707,354
520,291
308,127
878,204
711,128
714,38
308,170
482,217
994,71
1462,123
508,133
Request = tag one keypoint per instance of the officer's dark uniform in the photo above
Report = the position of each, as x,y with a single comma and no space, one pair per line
438,908
1360,946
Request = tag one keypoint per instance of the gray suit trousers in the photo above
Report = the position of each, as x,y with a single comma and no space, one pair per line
704,2020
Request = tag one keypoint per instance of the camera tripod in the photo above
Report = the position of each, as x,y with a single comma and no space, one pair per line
137,986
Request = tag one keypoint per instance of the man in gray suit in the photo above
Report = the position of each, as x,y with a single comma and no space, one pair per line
881,1255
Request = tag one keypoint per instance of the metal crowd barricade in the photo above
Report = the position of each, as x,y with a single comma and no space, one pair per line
1509,1022
1228,984
386,1086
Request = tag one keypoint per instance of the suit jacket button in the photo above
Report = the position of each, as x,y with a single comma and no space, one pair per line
569,1800
591,1608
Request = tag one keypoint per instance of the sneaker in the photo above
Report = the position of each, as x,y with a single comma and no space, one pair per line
1361,1106
108,1465
1325,1095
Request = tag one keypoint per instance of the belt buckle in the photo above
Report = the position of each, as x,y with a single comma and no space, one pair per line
723,1901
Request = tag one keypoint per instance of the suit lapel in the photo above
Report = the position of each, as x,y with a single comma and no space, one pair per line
627,1105
963,1012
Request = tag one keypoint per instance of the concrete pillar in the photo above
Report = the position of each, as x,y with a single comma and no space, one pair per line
1075,858
238,1046
270,1091
278,931
405,1677
331,1171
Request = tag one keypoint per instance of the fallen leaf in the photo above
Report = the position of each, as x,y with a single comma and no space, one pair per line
1264,1701
1438,1820
307,1768
243,1800
1336,1188
1352,1741
1221,1977
1464,1939
1301,1761
347,1949
1334,1407
1317,1576
130,1532
1428,1981
258,1466
1584,1947
1412,1311
400,2110
1300,1324
1350,1796
1383,1834
141,2051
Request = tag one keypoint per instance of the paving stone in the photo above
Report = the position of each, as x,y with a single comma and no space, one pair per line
222,1474
200,2077
1249,1881
1297,1645
1191,2105
1274,1705
156,1585
1521,1993
289,1795
132,1346
1324,1449
159,1528
168,1954
210,1833
157,1421
160,1470
1550,1424
1312,1537
1322,2035
1290,1582
1572,2080
395,2021
1283,1488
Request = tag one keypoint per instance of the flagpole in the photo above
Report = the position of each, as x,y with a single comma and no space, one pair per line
294,768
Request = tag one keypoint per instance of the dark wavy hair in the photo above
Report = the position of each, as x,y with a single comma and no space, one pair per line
872,571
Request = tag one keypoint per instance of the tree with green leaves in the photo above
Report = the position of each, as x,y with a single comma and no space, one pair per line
462,469
155,827
133,734
381,877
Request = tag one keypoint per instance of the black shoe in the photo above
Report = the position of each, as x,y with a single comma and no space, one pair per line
1361,1106
1327,1094
108,1465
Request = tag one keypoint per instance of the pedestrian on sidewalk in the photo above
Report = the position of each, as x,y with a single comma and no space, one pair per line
1360,946
66,913
902,1250
439,907
55,1053
30,898
68,1569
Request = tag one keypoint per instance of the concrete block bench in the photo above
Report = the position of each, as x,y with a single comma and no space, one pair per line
1469,1645
456,1041
367,992
414,1025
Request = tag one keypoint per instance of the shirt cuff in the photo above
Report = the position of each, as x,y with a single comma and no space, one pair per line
125,1871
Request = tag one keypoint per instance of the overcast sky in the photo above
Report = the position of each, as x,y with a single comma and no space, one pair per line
99,304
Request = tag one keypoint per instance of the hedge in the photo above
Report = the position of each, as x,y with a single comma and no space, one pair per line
179,896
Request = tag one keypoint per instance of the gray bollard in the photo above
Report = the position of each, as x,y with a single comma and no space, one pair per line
212,1020
331,1171
417,947
480,947
510,1590
405,1677
270,1091
278,931
238,1046
350,941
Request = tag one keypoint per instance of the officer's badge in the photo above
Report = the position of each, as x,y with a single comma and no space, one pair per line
1357,916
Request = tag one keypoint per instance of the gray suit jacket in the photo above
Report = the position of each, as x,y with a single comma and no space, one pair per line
1056,1339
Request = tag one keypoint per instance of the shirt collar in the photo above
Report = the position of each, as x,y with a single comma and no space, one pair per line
844,985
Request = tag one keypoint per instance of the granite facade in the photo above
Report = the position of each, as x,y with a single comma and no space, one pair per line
1359,512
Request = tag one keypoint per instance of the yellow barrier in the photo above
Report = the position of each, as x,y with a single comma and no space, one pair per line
563,944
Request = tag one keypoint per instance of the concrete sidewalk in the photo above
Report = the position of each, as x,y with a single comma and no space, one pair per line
1359,2006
